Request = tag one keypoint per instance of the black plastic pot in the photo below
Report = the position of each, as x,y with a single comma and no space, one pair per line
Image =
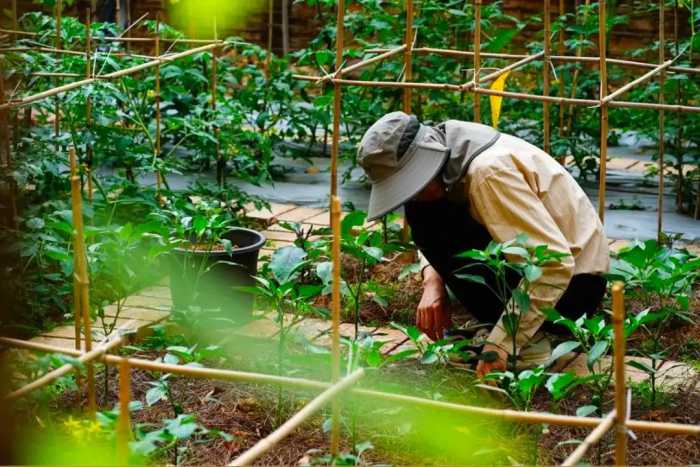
208,281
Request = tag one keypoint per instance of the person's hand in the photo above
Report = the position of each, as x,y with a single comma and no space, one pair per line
432,314
485,367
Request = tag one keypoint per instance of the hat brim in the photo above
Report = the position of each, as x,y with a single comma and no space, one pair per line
422,166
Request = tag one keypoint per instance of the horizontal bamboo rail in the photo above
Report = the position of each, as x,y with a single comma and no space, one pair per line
120,39
592,438
369,61
267,443
87,357
301,383
556,58
70,52
117,74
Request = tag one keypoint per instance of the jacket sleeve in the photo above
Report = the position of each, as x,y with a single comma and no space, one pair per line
508,206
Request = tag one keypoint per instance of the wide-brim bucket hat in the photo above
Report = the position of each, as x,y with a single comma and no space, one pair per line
400,157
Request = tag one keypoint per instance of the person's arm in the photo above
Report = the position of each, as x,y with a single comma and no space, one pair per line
432,314
508,206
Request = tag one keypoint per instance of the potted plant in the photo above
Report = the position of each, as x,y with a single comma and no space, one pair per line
213,259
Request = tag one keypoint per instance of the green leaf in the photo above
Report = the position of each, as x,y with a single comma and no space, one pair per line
516,251
559,384
522,300
532,272
155,395
181,427
562,349
586,410
472,278
641,366
373,252
596,352
351,220
285,262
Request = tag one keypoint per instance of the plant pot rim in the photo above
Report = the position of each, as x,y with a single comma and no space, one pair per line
257,245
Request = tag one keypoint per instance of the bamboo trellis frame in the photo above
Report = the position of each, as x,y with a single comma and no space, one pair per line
604,102
616,418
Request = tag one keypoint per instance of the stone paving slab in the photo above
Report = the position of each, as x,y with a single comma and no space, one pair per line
301,213
140,314
269,215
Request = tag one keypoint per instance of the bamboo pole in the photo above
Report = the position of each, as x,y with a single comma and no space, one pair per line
408,57
114,75
477,60
14,20
620,379
579,53
156,145
124,422
592,438
602,167
301,383
58,45
337,95
4,122
660,69
267,443
362,64
335,317
68,52
554,58
561,50
81,273
493,76
407,106
546,76
662,121
89,153
268,57
84,358
122,39
220,163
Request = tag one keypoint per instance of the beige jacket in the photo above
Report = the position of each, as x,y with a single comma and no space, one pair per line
513,187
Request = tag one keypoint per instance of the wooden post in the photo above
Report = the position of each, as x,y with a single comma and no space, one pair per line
477,59
620,380
546,75
124,423
335,316
156,148
337,96
662,121
602,48
81,273
88,105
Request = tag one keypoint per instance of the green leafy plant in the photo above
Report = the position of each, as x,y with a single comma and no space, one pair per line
527,265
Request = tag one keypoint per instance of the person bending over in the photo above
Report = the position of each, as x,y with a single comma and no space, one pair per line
463,185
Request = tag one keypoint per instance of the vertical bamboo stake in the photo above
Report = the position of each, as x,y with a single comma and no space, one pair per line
602,48
408,76
620,382
88,104
335,315
561,51
14,21
128,24
4,122
156,155
268,57
662,121
285,27
124,423
337,96
477,59
58,44
335,224
81,274
546,74
220,163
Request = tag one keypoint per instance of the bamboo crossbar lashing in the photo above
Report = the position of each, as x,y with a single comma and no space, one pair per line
267,443
592,438
301,383
493,76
